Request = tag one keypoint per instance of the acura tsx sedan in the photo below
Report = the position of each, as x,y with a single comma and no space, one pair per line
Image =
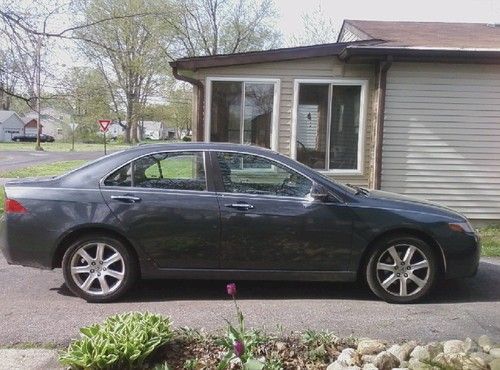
226,211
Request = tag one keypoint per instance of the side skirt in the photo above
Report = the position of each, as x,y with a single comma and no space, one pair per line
217,274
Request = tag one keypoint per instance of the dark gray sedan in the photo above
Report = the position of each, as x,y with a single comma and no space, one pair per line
223,211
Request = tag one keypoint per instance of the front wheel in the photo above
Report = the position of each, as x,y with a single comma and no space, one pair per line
99,268
401,269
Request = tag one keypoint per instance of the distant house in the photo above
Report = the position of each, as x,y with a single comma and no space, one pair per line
53,122
10,125
152,130
409,107
31,126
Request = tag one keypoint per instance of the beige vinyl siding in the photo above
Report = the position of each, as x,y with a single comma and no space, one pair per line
442,135
287,72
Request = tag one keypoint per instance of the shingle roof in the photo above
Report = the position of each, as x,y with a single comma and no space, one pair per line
441,35
5,114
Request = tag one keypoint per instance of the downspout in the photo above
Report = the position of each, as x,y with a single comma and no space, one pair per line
200,103
383,67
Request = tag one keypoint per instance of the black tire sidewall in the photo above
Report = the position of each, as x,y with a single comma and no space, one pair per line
128,258
382,246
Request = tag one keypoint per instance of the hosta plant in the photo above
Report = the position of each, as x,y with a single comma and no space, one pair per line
121,342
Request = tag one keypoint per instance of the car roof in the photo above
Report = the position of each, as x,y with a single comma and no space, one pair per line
143,148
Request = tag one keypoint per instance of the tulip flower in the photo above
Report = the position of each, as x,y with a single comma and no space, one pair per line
231,289
239,348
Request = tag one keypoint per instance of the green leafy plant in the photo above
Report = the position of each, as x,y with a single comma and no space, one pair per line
121,342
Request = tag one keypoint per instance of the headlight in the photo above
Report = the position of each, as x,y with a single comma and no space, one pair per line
461,227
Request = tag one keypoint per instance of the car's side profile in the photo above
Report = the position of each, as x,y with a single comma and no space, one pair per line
224,211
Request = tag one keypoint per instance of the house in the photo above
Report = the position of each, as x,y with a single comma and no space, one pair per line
153,130
31,126
53,122
408,107
10,125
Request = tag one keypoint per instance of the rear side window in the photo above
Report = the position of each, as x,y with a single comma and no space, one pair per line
121,177
177,171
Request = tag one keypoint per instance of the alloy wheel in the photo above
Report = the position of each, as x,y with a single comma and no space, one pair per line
97,268
403,270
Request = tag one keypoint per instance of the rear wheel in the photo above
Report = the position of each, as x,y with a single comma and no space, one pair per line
99,268
401,269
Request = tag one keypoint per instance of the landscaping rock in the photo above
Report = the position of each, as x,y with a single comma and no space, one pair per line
453,347
495,364
368,358
415,364
420,354
369,366
348,357
470,346
495,352
336,366
386,361
434,348
485,343
483,356
370,347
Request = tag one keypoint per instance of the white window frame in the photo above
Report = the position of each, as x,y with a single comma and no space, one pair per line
362,119
276,103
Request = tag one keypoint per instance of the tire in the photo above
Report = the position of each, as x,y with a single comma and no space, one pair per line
92,280
390,280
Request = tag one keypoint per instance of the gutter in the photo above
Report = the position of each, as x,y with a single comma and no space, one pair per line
382,68
200,103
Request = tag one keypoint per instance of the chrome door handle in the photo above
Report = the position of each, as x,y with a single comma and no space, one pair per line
126,198
242,206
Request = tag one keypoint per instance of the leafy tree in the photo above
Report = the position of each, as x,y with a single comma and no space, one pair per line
210,27
126,52
318,28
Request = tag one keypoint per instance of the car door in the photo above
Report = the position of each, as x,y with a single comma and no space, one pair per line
166,203
270,222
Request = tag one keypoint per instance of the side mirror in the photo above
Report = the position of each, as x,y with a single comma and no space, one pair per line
319,192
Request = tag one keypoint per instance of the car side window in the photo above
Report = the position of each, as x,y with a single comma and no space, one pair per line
251,174
175,170
121,177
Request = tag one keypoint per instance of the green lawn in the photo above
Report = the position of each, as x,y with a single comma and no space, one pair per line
61,147
47,169
490,240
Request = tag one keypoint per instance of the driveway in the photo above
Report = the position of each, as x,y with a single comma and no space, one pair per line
10,160
36,307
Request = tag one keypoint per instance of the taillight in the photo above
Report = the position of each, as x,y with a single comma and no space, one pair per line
13,206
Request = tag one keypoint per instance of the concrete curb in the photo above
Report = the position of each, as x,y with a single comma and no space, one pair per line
32,359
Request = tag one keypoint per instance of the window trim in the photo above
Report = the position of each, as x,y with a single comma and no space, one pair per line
243,79
362,119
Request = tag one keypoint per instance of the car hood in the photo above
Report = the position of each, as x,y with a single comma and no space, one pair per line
413,204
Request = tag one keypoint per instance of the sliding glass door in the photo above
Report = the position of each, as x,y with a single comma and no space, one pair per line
328,135
242,112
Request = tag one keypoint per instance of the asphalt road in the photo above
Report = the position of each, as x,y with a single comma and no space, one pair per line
10,160
36,307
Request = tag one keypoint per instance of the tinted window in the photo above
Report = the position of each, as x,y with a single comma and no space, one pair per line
121,177
245,173
182,171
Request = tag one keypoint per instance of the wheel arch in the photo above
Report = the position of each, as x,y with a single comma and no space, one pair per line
68,239
402,232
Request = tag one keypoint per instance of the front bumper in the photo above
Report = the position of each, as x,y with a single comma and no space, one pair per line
462,253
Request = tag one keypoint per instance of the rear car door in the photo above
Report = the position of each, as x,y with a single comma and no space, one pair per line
269,221
166,203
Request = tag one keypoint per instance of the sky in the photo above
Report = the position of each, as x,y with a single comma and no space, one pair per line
482,11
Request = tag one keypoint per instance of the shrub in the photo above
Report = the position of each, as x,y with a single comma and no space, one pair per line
186,138
121,342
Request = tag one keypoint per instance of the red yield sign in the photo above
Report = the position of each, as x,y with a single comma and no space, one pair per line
104,123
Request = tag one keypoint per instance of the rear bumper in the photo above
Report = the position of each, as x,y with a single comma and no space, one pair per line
25,247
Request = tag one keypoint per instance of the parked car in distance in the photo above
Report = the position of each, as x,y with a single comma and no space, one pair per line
226,211
44,138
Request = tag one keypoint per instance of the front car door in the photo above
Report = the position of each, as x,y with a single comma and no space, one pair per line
269,221
167,205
